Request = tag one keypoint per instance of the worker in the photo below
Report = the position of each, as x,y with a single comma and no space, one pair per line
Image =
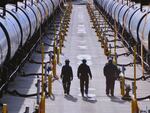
66,76
83,74
111,72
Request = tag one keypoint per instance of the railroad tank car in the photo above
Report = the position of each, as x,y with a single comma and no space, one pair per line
22,20
36,12
140,18
22,24
136,23
12,33
19,27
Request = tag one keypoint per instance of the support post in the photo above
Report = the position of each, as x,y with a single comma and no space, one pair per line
122,84
54,66
42,104
58,55
54,59
50,84
115,36
4,109
134,90
60,44
134,106
42,49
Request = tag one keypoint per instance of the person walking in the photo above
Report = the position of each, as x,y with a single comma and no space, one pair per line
111,72
66,76
83,74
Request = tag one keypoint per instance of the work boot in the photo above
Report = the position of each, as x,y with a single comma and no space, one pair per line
82,94
112,95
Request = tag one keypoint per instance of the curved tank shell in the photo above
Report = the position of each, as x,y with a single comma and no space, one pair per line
36,12
19,25
3,45
31,17
23,21
12,32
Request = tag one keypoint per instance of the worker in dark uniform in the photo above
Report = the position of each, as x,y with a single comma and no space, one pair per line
83,74
111,72
66,76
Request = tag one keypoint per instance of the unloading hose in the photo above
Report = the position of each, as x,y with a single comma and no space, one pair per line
140,78
16,93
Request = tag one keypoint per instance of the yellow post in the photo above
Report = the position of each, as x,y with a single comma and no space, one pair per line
142,59
63,38
42,104
58,54
99,33
134,106
60,37
102,42
122,83
115,36
42,49
105,24
60,44
50,84
4,109
105,48
54,49
54,66
134,90
54,59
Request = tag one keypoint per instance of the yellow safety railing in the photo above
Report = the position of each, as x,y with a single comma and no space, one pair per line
134,87
50,84
4,108
115,37
43,78
58,55
134,106
122,84
42,104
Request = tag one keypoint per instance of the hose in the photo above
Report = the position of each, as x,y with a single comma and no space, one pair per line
16,93
113,40
36,62
122,54
118,46
45,52
143,98
31,74
48,44
138,99
140,78
129,64
37,74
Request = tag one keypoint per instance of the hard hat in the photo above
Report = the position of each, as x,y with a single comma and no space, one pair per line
67,60
110,59
84,60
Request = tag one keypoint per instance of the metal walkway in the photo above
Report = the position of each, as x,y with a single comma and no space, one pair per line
80,43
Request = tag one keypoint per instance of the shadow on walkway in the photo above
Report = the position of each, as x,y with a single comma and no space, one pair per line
116,99
89,99
71,98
